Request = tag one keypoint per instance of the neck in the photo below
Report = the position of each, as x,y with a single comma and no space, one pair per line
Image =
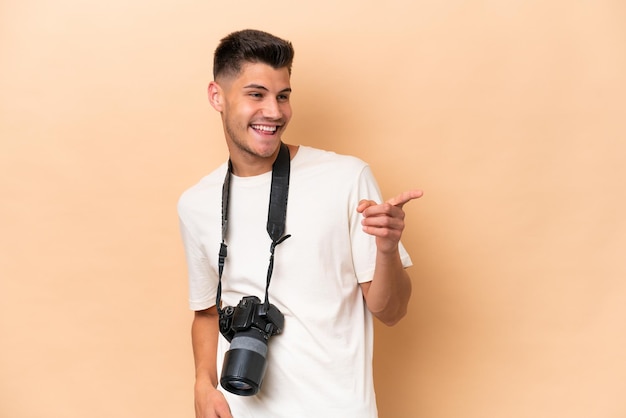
253,167
247,165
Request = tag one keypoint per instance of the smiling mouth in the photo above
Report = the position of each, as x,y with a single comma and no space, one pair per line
265,129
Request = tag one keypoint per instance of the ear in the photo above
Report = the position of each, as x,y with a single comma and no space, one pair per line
216,96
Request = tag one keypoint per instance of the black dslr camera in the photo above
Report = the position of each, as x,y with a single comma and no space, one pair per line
248,327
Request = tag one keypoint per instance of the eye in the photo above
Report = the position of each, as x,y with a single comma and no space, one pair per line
255,95
283,98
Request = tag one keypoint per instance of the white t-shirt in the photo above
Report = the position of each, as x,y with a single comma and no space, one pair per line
321,365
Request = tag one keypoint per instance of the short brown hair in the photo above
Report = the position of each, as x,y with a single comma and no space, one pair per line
251,46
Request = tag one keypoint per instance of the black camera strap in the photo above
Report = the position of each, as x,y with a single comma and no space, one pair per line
276,217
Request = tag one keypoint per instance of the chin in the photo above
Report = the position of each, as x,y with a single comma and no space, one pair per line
267,148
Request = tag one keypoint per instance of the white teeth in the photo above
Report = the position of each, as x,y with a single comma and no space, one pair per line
265,128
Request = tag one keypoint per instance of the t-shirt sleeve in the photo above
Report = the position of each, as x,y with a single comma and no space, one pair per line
364,245
201,278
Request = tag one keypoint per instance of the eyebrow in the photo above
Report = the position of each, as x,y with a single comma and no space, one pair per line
261,87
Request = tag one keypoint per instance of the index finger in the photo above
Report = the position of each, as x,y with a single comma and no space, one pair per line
405,197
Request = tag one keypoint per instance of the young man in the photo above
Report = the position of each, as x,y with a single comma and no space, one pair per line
342,264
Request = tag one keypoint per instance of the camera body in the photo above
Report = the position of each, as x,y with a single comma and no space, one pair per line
248,327
251,313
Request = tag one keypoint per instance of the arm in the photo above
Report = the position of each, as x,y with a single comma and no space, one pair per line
387,295
209,402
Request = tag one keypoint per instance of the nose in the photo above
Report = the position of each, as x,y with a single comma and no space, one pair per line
272,109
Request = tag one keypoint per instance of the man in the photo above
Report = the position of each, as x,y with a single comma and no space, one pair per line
342,264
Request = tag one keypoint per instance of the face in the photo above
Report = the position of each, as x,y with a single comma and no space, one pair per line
255,111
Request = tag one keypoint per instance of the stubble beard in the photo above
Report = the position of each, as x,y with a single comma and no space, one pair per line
241,144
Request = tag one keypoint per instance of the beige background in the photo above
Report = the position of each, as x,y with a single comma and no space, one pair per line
509,114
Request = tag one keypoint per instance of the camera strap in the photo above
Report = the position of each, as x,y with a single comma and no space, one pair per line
276,217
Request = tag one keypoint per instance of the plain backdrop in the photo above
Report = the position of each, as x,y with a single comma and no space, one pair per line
508,114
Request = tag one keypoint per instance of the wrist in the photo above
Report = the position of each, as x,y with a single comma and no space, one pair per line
388,255
205,382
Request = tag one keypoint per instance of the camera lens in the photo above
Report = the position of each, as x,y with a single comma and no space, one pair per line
244,363
240,385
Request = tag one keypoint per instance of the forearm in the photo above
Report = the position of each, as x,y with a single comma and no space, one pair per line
209,402
204,335
388,294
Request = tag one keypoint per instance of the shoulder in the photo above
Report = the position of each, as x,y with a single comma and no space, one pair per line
332,177
315,159
204,191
